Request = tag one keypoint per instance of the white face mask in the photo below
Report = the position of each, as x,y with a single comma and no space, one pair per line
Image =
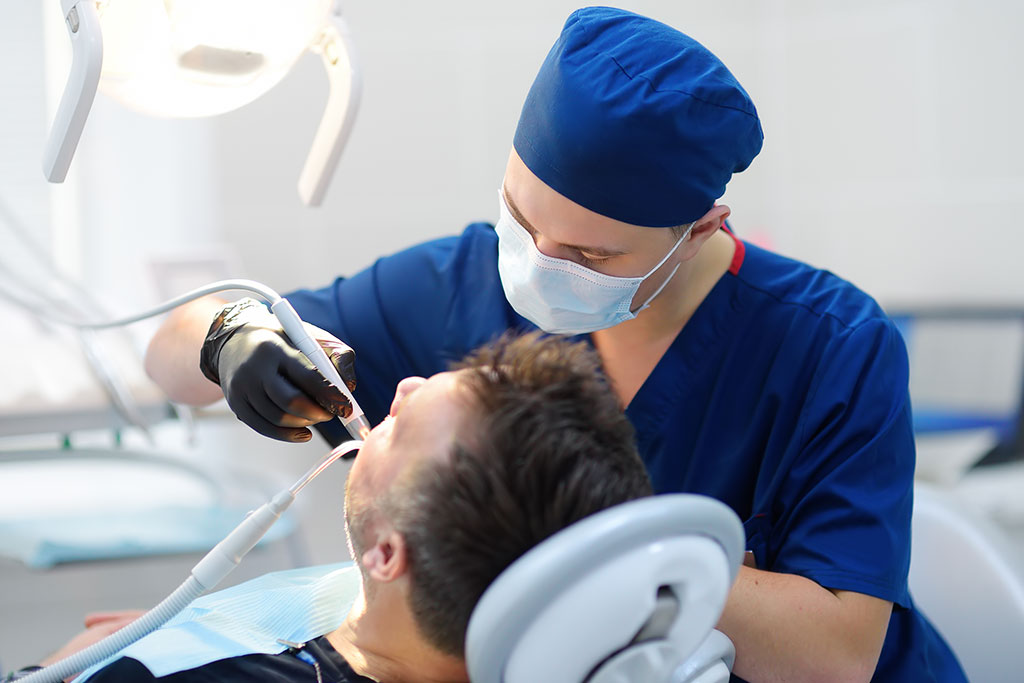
560,296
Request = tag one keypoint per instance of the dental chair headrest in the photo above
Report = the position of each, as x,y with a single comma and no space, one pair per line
626,594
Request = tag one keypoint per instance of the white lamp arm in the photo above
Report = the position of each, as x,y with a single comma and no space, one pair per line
83,24
335,47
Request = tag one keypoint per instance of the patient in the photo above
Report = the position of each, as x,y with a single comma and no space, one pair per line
470,470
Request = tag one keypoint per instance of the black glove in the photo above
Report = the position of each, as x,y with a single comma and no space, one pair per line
268,383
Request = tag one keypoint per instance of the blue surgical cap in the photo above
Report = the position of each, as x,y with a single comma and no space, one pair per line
636,121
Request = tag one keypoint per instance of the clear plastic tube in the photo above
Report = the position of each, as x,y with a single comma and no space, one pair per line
329,459
205,575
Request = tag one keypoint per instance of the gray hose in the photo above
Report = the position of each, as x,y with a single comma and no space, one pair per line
147,623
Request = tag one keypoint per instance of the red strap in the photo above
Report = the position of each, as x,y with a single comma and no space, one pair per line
737,256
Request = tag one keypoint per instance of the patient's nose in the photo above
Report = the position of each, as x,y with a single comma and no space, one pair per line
404,388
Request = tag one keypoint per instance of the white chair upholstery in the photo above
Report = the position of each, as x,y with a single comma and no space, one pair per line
711,663
623,596
966,577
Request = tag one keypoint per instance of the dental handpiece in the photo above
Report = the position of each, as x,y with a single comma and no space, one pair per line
356,423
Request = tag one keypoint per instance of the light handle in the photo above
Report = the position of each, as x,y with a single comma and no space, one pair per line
345,89
83,22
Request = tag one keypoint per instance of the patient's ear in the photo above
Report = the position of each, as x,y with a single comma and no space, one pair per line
387,560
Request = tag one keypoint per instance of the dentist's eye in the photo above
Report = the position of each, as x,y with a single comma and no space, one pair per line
590,262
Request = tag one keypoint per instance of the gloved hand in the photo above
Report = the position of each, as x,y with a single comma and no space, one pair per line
268,383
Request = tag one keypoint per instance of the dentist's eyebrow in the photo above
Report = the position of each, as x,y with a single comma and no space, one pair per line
597,251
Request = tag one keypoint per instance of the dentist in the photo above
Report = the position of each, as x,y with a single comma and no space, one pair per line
775,387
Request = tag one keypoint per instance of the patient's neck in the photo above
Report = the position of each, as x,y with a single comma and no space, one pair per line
380,640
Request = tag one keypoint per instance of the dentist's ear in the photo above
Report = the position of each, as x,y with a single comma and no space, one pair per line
387,560
709,223
703,228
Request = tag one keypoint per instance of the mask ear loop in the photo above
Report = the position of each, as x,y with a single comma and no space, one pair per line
664,284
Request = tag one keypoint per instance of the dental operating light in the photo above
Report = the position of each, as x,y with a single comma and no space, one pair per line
194,58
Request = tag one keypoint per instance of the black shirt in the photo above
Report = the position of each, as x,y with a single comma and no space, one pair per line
289,666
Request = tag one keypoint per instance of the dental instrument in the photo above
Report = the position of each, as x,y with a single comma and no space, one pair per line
356,423
205,575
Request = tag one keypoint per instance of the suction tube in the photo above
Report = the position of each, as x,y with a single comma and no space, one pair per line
207,573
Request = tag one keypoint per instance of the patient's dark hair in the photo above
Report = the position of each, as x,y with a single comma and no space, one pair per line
550,446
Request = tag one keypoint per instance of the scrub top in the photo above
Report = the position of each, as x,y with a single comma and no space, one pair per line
785,396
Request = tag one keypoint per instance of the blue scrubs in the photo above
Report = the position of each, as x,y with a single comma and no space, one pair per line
785,396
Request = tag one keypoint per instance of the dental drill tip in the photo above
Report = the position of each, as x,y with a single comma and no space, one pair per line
359,428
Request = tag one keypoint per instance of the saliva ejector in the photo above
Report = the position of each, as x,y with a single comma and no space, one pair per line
209,572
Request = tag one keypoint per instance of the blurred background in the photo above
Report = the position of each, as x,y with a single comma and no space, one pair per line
893,156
